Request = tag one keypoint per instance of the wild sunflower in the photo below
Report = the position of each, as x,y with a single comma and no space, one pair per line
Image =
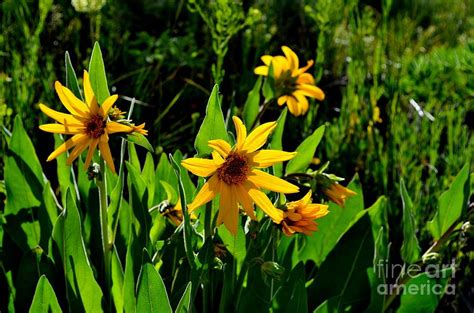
338,193
292,84
300,215
87,122
235,174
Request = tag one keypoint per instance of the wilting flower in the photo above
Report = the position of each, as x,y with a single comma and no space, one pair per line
88,123
292,84
235,175
175,213
338,193
300,216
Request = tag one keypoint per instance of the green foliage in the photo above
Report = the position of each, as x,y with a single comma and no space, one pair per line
45,300
305,152
97,75
410,250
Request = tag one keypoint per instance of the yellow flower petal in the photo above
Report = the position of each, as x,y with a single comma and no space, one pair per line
266,205
229,209
63,129
71,142
108,103
59,116
291,57
90,153
270,182
89,94
282,100
302,102
241,132
221,146
261,70
208,192
266,59
78,149
280,65
305,78
217,158
106,154
114,127
311,91
258,137
244,199
305,68
69,100
293,106
266,158
200,167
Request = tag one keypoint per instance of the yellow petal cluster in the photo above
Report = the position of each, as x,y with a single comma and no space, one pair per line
338,193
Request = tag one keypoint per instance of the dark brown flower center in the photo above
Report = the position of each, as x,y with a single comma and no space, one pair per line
95,126
234,170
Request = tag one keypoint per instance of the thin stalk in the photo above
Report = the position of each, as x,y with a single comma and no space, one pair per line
264,107
206,292
100,181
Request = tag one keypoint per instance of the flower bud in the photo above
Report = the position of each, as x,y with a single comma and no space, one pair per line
272,270
430,258
87,6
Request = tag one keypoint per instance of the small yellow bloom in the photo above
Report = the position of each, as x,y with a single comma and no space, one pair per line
292,84
234,174
175,214
87,122
300,216
338,193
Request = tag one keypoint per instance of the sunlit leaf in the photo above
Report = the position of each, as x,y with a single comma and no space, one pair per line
185,301
276,141
410,250
252,104
97,75
305,152
71,78
140,140
151,291
44,300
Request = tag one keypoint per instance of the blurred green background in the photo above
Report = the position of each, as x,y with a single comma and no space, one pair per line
398,78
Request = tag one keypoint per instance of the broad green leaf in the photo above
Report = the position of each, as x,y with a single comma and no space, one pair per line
97,75
423,292
132,269
64,172
164,172
451,204
185,301
298,302
139,139
332,226
82,289
44,300
148,174
305,152
71,78
188,184
133,157
213,125
276,141
410,249
343,273
252,104
23,174
113,211
117,281
151,291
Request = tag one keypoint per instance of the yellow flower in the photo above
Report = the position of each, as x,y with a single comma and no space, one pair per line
88,123
175,214
292,84
300,216
338,193
234,174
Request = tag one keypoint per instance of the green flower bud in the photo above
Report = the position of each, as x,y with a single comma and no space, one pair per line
431,258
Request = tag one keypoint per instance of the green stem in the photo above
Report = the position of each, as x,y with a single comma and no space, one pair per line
100,181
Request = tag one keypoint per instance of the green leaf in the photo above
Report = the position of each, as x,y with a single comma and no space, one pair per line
188,184
299,299
185,301
332,226
82,289
213,125
139,139
252,104
132,268
97,75
235,244
276,141
152,295
71,78
164,172
64,172
305,152
269,84
117,281
148,174
44,300
23,174
410,249
423,292
113,211
451,205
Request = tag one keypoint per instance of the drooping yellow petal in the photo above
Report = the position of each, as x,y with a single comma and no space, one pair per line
89,94
217,158
106,154
280,65
60,117
270,182
291,57
229,209
266,205
305,78
241,132
311,91
92,146
71,142
200,167
261,70
305,68
114,127
293,106
63,129
221,146
266,158
208,192
258,137
78,149
302,102
244,199
282,100
266,59
108,103
70,101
